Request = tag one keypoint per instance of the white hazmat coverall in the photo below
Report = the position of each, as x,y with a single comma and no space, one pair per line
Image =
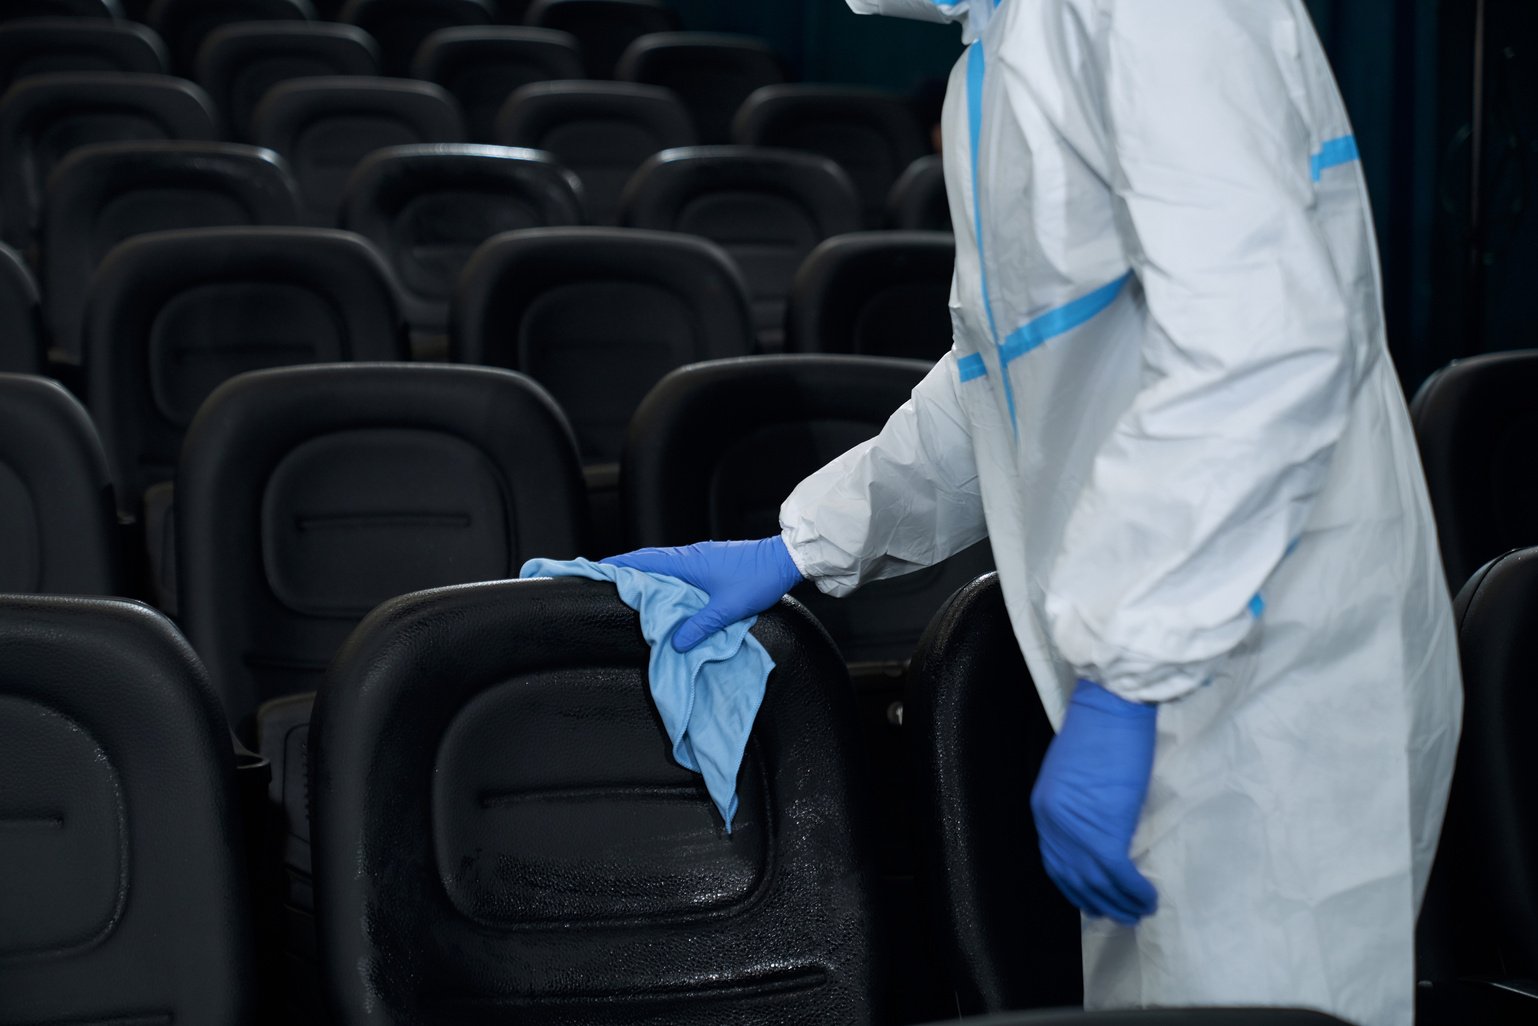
1170,407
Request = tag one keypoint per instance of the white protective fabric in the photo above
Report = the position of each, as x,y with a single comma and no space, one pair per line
1171,408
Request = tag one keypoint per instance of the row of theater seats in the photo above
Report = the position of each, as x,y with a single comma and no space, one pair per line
499,833
426,209
313,94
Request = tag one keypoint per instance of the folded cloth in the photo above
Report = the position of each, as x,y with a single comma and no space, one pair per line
708,696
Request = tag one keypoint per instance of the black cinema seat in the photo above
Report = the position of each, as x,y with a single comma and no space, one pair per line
874,294
918,201
122,831
184,24
43,117
715,448
603,131
43,45
482,67
598,316
605,28
22,346
501,836
171,315
237,64
1475,422
871,134
56,509
326,126
306,496
1479,929
711,73
427,208
767,208
16,9
977,733
100,195
401,25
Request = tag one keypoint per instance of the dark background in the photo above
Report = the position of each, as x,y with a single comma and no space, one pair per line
1460,271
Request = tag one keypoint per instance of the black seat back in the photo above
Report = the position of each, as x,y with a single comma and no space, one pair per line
122,828
237,64
1484,889
977,734
102,194
308,495
482,67
603,27
401,25
874,294
711,73
767,208
502,837
184,24
427,208
171,315
603,131
918,201
326,126
56,509
598,316
872,135
43,45
715,449
44,117
22,345
1474,422
1160,1017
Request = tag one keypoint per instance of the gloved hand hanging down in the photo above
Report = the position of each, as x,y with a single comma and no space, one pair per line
742,578
1087,800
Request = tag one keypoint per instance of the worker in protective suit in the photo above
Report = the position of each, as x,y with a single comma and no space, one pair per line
1171,409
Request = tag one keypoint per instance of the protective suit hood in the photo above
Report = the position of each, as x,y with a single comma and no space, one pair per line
960,11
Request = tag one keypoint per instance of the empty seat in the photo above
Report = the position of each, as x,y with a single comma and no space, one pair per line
14,9
56,511
100,195
603,131
918,201
184,24
43,117
767,208
1475,422
43,45
427,208
598,316
872,135
401,25
237,64
482,67
711,73
122,829
874,294
605,28
501,835
325,126
977,734
1483,899
716,448
22,346
171,315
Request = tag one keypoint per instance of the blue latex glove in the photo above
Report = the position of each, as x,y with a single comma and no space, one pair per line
1087,800
742,578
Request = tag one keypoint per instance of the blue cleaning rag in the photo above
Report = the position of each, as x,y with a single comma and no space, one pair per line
708,696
